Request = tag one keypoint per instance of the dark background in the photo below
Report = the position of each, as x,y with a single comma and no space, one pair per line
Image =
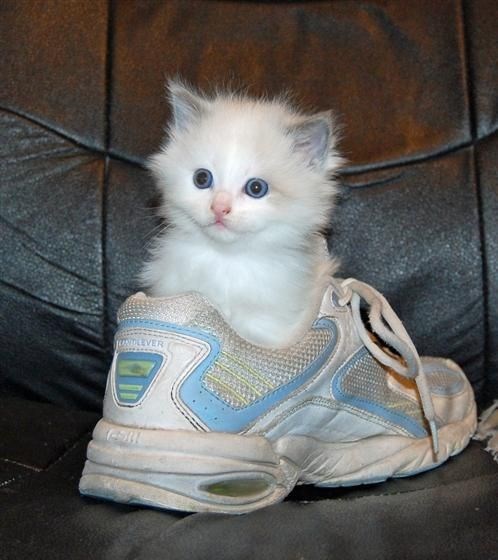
82,106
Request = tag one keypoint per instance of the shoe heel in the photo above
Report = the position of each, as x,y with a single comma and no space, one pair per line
183,470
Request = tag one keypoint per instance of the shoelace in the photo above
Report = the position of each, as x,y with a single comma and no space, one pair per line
395,335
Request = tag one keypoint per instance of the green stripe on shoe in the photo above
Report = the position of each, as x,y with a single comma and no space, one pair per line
135,368
127,387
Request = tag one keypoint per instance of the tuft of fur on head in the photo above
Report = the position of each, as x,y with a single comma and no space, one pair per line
238,138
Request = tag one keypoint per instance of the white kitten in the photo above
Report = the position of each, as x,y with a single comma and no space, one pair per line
247,186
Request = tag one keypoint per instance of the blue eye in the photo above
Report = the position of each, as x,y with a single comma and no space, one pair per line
203,178
257,188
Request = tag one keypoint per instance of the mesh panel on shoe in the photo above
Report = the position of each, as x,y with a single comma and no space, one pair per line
366,379
441,378
242,373
241,376
180,310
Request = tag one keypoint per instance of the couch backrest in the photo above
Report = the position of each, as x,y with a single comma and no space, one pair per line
82,106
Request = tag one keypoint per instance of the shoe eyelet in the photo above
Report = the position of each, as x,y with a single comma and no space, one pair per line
334,298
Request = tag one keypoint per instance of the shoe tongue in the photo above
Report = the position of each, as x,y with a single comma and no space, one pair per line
327,304
330,299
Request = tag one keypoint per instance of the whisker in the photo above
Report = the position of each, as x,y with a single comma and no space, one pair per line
157,230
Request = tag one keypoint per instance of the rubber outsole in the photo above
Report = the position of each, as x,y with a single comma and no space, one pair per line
184,470
227,473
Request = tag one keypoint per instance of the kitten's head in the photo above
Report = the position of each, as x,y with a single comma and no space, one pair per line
240,169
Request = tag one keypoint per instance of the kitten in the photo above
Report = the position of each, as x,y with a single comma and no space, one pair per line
247,186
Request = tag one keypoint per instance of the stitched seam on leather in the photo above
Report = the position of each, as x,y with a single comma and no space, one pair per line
479,200
68,450
11,480
346,171
19,464
107,334
32,470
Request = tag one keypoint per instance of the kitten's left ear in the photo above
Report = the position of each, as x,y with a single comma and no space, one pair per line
313,137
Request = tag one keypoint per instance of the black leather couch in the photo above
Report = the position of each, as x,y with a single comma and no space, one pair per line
81,108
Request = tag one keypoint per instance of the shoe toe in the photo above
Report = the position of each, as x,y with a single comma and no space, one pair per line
451,392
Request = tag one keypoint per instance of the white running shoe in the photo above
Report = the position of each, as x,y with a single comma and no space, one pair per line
198,419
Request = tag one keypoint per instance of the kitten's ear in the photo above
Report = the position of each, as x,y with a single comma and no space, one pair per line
186,105
313,137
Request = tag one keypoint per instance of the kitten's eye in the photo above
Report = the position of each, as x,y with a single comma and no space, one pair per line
203,178
257,188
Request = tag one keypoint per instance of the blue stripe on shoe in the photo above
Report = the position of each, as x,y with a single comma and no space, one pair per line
220,416
212,341
216,414
370,405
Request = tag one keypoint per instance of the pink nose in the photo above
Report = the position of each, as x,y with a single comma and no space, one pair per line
221,205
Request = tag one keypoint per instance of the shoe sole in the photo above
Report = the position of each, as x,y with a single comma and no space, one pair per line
226,473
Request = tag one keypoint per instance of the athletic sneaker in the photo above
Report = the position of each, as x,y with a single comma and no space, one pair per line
198,419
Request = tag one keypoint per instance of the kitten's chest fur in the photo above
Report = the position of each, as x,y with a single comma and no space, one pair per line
263,295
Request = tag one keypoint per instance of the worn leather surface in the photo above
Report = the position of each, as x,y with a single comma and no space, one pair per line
414,85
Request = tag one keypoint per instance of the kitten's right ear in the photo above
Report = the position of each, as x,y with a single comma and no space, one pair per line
186,105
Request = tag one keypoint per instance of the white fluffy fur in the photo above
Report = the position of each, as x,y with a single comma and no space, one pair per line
266,270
